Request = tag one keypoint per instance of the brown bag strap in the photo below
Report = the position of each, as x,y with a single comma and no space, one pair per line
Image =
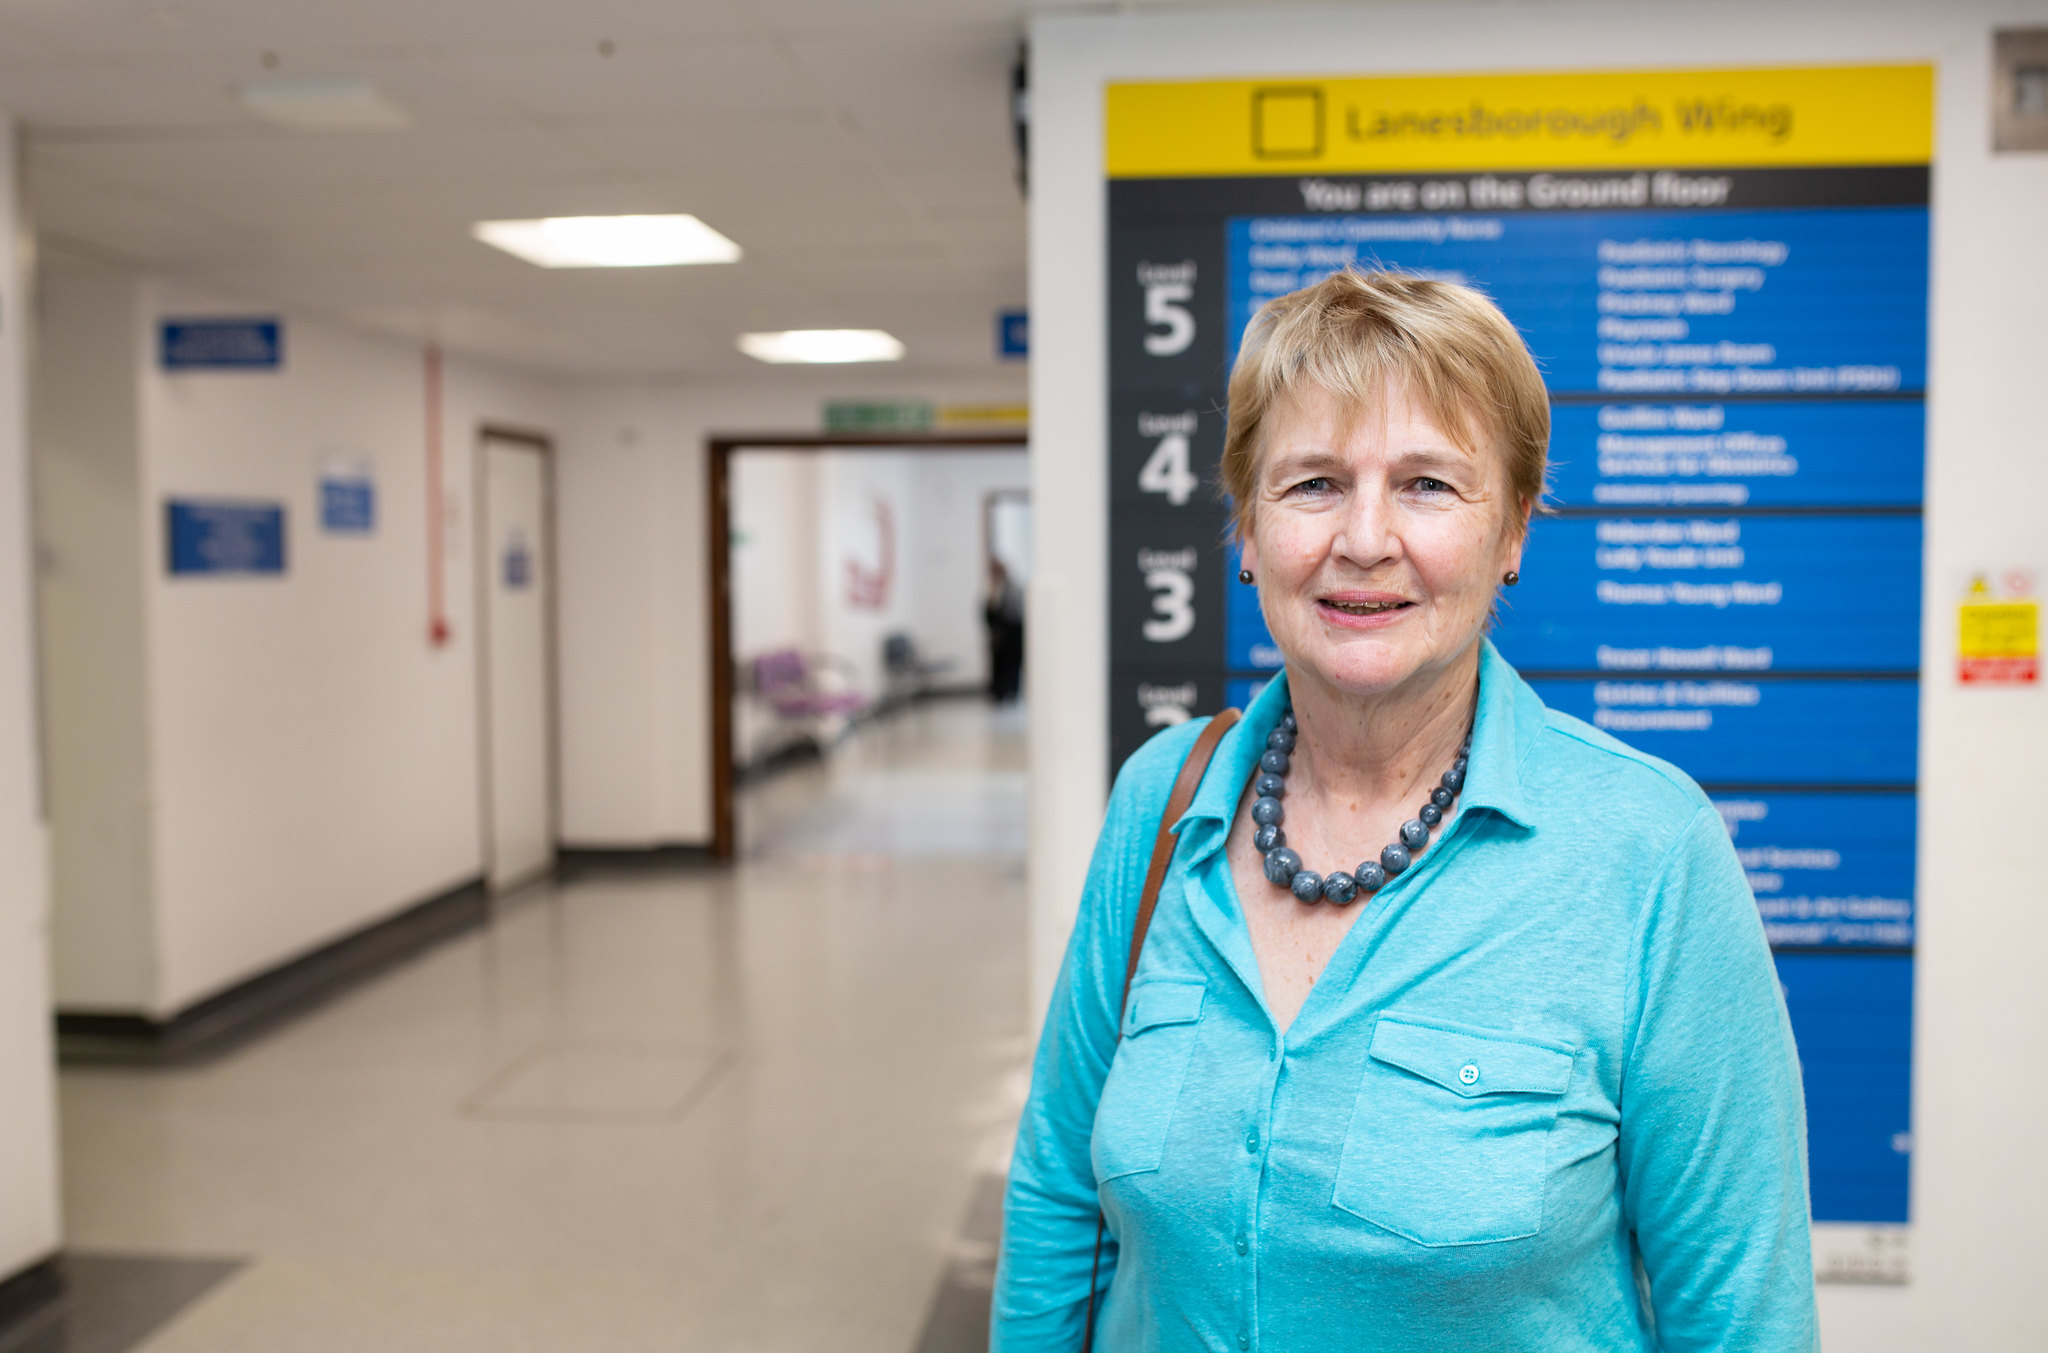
1191,772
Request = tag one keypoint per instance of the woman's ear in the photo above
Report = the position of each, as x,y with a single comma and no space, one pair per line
1525,512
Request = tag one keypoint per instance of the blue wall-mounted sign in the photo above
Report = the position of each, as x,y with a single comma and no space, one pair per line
1760,593
516,563
1853,1014
1732,581
224,535
250,343
1725,730
1013,335
348,498
1830,871
1704,457
1643,304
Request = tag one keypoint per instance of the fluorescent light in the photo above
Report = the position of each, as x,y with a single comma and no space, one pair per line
609,241
323,105
823,345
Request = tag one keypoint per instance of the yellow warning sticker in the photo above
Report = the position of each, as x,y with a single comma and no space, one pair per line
1998,642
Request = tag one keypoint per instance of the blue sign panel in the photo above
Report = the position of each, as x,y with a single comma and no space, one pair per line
1655,594
242,344
1013,335
1647,303
1725,730
348,505
1660,456
1717,593
1852,1016
217,535
1828,870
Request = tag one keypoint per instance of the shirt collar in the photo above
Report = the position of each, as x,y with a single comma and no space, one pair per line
1510,717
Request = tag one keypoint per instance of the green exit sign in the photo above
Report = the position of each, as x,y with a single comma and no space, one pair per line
864,415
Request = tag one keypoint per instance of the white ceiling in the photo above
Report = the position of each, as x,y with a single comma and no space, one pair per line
858,150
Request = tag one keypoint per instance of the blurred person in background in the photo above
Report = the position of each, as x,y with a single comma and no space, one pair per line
1003,612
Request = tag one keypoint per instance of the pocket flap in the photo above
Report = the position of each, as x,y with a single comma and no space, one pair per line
1472,1064
1164,1001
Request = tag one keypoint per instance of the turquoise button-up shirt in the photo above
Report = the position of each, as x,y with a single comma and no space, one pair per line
1544,1097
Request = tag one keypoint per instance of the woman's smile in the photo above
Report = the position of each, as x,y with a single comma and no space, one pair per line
1363,610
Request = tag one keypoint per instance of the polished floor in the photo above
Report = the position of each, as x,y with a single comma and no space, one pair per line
736,1111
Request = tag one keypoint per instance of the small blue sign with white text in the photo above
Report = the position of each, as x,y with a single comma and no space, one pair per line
348,504
1013,335
219,535
245,343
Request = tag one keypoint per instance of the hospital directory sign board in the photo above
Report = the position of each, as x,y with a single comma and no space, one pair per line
1724,277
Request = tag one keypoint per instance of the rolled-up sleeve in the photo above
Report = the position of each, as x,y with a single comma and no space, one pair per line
1050,1208
1713,1123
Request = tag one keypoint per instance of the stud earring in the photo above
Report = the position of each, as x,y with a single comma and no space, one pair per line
1244,575
1512,578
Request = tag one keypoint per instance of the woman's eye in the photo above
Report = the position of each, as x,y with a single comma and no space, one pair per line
1428,485
1316,485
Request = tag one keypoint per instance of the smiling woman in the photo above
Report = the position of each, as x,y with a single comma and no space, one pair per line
1382,1107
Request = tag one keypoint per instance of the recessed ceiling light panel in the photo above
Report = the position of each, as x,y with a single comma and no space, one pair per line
609,241
323,105
823,345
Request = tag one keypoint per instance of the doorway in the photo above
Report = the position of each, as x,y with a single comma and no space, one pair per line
516,568
864,567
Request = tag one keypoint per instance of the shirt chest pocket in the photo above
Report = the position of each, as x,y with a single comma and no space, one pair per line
1145,1079
1450,1135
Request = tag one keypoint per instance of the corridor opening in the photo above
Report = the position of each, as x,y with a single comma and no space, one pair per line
829,603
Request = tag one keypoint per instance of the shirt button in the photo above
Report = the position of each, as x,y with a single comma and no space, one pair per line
1243,1244
1251,1141
1244,1341
1468,1073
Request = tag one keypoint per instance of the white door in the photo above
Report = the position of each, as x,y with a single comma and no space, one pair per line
516,687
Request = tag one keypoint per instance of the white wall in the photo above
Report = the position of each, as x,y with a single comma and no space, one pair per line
867,521
635,663
28,1151
776,602
948,557
307,759
1980,1184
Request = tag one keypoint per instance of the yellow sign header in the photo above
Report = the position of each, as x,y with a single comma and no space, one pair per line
1728,119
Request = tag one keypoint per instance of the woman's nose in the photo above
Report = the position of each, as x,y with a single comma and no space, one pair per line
1367,535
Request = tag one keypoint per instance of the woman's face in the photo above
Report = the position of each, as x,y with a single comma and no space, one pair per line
1376,540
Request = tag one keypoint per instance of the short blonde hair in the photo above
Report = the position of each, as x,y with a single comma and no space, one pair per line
1349,334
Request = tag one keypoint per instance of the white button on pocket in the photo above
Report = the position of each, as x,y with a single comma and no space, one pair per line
1468,1073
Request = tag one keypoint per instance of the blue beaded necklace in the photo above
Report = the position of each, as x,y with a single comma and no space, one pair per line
1283,866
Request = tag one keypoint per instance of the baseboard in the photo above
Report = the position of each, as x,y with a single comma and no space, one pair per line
27,1295
576,861
259,1004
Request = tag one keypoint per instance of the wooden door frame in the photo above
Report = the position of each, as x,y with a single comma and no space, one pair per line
550,631
719,449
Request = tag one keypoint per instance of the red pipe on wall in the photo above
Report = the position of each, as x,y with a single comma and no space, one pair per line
437,512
